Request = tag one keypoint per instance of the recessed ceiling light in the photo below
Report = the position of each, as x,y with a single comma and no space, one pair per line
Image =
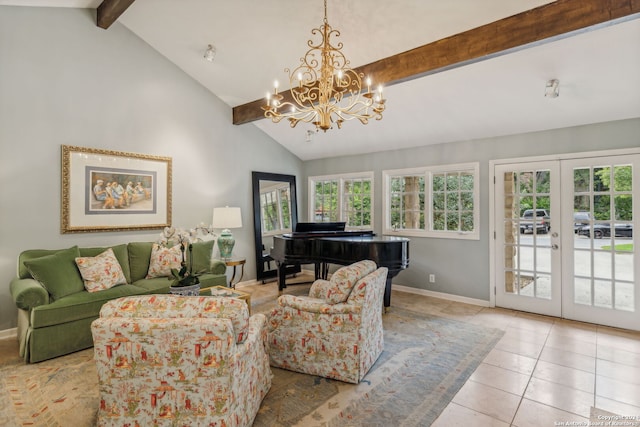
210,53
552,90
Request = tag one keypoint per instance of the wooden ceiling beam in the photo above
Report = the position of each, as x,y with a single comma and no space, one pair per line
110,10
555,20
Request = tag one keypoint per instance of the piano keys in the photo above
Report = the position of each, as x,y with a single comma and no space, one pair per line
342,248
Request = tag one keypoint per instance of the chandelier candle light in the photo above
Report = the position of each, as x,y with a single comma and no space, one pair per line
325,89
226,218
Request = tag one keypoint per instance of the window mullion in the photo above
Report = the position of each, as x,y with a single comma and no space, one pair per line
340,196
428,202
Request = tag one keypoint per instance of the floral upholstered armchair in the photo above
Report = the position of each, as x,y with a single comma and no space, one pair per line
166,360
335,332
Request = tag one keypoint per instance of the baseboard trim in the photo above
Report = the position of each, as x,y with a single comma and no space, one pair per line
401,288
441,295
9,333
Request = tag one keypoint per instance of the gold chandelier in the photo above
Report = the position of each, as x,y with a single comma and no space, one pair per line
325,89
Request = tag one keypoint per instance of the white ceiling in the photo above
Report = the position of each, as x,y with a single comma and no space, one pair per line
599,70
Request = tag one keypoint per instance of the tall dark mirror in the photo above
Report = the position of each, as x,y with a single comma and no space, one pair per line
275,211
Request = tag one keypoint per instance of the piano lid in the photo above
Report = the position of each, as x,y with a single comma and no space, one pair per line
369,238
310,227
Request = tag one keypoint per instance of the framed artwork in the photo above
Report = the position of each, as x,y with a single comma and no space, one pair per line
106,190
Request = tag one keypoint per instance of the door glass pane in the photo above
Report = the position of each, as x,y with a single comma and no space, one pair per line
602,207
602,293
582,263
581,180
624,266
510,282
602,265
582,291
526,258
581,203
525,182
543,259
543,181
601,178
623,207
625,296
622,178
527,284
543,286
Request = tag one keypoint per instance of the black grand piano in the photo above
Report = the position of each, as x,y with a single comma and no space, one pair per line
328,243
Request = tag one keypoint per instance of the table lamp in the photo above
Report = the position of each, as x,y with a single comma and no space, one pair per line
226,218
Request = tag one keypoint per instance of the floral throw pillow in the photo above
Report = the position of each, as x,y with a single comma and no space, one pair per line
101,272
163,259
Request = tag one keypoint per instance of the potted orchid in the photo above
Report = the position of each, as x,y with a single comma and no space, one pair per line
184,281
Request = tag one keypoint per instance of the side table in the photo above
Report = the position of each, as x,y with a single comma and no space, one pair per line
235,262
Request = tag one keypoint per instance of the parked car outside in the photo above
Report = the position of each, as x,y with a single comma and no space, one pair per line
604,230
541,221
581,219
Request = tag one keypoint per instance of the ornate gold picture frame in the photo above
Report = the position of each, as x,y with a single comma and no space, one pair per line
105,190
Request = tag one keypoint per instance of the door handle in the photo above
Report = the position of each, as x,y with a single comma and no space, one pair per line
554,234
554,246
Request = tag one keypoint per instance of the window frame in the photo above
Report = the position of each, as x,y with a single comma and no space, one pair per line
429,172
341,178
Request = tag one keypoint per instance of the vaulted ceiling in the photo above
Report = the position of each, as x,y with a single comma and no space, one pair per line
467,69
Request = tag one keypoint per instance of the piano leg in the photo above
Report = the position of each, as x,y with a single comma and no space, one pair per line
282,276
387,294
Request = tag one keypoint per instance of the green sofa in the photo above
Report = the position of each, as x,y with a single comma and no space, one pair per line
53,321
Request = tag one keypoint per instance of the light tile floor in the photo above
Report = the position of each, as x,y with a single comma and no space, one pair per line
544,371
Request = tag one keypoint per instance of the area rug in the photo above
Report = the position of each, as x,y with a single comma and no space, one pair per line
425,362
58,392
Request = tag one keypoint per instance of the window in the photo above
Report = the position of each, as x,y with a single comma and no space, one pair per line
432,201
275,206
347,198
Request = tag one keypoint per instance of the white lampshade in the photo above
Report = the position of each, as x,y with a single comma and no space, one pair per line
227,217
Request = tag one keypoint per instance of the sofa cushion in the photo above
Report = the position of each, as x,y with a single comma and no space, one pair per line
157,285
162,260
201,255
29,254
139,257
80,305
57,272
343,280
121,253
101,271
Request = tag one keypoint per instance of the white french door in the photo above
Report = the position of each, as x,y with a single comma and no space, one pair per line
601,260
586,267
528,265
